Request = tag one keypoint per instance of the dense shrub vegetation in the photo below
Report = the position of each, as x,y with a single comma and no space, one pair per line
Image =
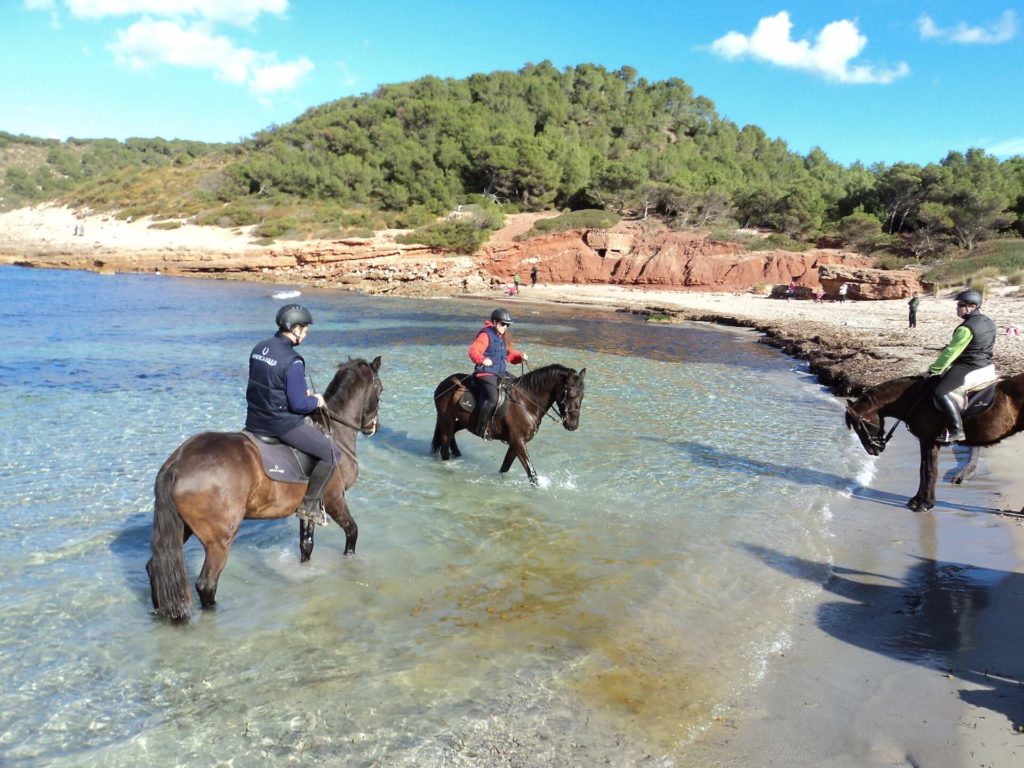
580,138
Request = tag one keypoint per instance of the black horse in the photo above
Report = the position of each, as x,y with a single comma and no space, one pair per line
909,399
530,397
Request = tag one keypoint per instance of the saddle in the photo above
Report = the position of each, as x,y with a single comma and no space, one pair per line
975,400
282,462
468,400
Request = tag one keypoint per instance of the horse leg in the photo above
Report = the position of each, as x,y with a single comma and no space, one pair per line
506,463
337,508
924,499
519,447
213,564
306,530
968,468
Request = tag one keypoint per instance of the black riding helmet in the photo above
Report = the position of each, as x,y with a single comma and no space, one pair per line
501,316
291,315
969,297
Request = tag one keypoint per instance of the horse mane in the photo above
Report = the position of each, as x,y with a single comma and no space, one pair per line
888,391
543,379
348,376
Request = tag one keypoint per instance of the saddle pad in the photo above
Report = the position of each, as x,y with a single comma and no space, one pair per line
468,401
979,400
282,462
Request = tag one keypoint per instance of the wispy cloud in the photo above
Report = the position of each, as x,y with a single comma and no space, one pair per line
830,56
240,12
1001,31
184,33
1008,148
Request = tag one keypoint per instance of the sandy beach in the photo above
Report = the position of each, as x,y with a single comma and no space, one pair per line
861,682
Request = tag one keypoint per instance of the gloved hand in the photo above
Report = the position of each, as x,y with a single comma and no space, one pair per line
525,358
487,361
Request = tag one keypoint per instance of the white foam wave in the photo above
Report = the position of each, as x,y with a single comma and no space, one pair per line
285,294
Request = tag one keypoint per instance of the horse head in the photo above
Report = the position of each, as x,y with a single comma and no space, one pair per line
872,435
371,400
570,400
356,382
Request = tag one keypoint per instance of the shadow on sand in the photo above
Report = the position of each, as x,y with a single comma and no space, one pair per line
932,610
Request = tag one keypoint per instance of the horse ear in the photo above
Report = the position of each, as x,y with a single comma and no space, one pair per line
376,363
582,371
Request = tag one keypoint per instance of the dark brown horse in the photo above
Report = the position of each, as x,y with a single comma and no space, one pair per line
531,396
215,480
909,400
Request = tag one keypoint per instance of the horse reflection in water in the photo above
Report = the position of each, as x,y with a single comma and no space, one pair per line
530,397
214,480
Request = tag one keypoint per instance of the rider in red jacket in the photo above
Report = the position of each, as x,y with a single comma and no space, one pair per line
491,351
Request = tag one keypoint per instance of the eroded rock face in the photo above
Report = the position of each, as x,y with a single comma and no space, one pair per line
872,284
655,256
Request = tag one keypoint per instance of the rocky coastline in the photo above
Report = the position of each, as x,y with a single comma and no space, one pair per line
635,267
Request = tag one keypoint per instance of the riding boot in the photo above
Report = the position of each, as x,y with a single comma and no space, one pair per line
954,422
312,506
483,423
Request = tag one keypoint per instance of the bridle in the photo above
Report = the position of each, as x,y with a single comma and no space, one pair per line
367,427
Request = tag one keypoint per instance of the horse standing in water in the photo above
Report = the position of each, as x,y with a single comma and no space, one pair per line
214,480
909,400
530,397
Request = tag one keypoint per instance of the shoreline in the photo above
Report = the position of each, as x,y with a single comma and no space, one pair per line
848,691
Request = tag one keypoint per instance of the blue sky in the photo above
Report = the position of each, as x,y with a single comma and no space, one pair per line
870,81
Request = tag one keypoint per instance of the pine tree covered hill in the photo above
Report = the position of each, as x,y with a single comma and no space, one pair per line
580,138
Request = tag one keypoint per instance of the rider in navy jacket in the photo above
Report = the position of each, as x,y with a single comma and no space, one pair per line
491,354
278,403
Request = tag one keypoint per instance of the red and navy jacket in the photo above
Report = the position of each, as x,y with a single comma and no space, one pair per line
489,343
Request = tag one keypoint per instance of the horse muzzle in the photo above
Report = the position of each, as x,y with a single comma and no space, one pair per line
371,429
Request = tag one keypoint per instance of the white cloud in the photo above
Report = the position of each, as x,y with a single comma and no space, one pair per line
148,43
1000,31
1008,148
279,77
183,33
829,56
241,12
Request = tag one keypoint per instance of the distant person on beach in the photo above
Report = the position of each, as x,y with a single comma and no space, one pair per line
819,295
516,281
842,292
491,352
80,227
913,305
533,275
966,360
279,401
791,290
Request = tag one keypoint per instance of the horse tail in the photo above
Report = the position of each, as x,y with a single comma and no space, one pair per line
168,578
435,444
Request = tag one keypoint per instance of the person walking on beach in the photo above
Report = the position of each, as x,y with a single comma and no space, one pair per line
533,275
913,304
491,351
842,292
279,402
965,361
516,281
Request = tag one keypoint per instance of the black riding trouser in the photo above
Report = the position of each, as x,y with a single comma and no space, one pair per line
309,439
487,401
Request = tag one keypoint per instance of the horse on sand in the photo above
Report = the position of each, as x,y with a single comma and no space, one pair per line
214,480
530,397
909,399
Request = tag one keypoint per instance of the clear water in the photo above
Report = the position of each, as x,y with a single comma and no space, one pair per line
599,619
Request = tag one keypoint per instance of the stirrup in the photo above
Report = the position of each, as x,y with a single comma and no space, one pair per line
313,512
948,439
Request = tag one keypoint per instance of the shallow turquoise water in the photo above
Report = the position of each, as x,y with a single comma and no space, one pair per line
600,618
